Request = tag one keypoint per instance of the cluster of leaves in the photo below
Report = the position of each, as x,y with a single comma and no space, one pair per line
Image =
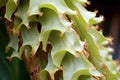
77,48
14,69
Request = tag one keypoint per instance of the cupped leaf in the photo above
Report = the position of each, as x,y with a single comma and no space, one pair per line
81,23
83,2
97,36
50,69
78,20
14,42
10,8
50,22
95,20
33,8
112,67
88,16
67,42
30,40
75,67
57,19
22,12
96,57
105,53
17,25
57,5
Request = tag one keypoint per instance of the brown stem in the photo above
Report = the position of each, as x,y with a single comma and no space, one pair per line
37,62
33,66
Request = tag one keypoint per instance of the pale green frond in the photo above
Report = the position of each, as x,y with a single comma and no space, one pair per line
11,6
50,22
22,12
30,40
75,67
49,70
14,42
62,43
59,6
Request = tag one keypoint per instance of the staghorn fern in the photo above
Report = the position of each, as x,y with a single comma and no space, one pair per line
61,32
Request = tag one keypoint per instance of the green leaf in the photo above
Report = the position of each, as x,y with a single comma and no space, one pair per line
50,22
57,19
59,6
105,53
83,2
78,20
22,12
3,2
95,20
81,23
75,67
17,25
95,58
112,67
97,36
4,70
88,16
18,70
14,42
11,6
67,42
30,40
118,75
50,69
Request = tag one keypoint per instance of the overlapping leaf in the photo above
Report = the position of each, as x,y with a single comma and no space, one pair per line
22,12
100,39
95,56
61,44
59,6
30,40
49,70
14,42
78,67
50,22
97,36
67,48
68,42
88,16
11,7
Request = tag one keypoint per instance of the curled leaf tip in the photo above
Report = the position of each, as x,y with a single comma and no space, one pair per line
9,58
27,26
96,11
9,19
16,2
40,14
110,39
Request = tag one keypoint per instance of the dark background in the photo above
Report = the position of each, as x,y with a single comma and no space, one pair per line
110,9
